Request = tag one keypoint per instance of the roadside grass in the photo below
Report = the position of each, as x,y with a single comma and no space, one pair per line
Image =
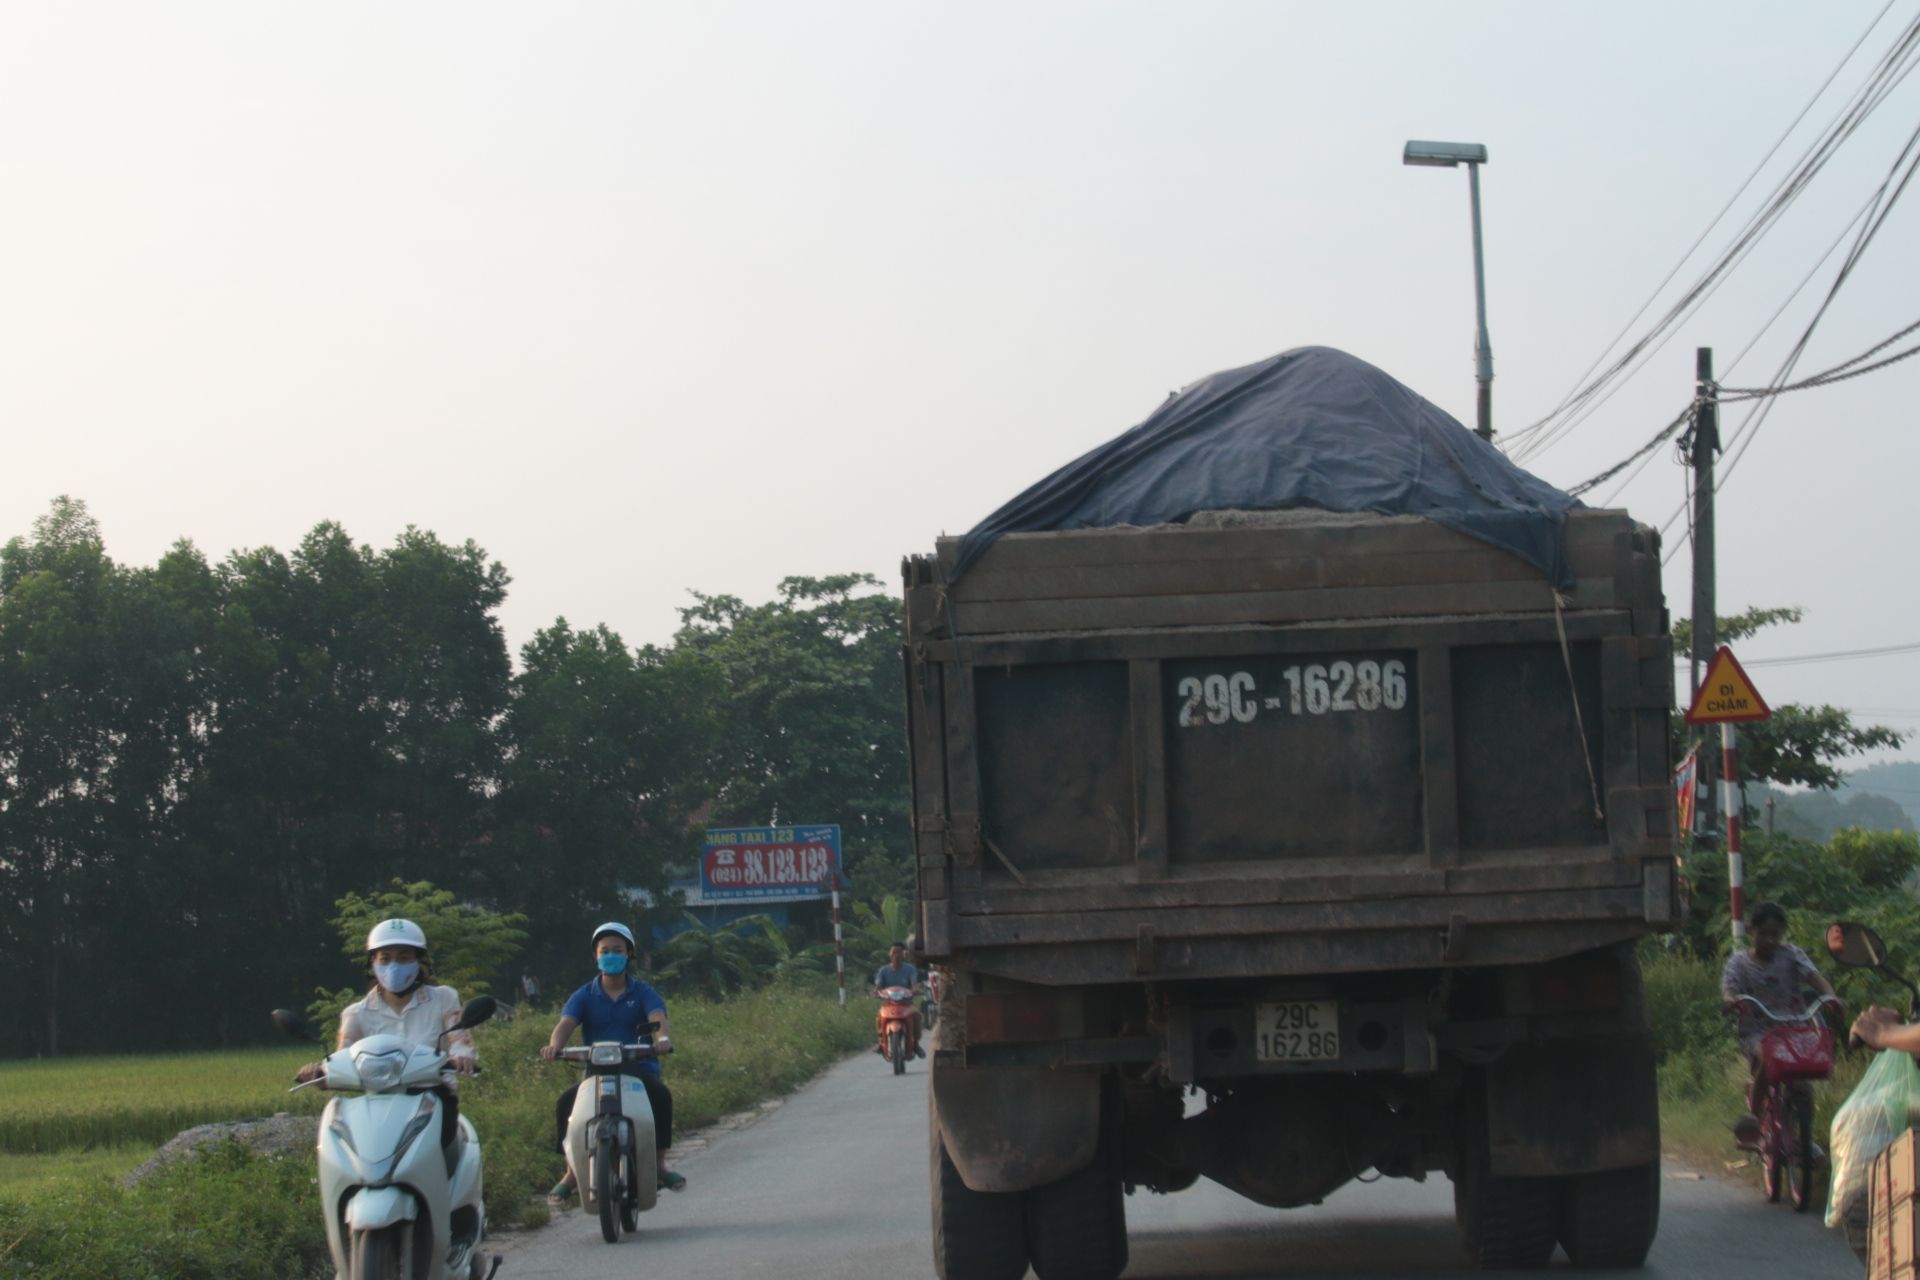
238,1216
26,1173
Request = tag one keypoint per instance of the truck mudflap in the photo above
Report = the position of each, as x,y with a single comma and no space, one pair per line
1015,1128
1573,1106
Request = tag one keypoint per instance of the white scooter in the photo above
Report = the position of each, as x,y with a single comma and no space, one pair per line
399,1203
610,1147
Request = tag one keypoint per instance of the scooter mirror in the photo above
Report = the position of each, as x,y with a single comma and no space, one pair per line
1856,945
475,1011
295,1025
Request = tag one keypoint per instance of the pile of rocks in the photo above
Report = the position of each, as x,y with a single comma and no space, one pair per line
283,1134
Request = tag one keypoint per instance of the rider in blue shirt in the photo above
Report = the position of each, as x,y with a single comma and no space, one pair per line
617,1006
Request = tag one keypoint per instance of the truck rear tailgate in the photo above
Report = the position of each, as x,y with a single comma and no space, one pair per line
1337,743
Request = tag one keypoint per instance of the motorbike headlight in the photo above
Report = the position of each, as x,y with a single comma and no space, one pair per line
607,1055
380,1071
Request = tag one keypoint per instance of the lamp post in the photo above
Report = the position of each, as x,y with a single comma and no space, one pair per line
1450,155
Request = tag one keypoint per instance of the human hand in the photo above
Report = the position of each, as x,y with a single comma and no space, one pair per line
462,1065
311,1072
662,1043
549,1052
1871,1026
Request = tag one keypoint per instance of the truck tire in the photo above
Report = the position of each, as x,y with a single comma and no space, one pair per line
1505,1224
977,1235
1608,1220
1077,1227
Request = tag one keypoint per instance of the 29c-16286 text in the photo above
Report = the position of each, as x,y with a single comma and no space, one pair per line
1311,689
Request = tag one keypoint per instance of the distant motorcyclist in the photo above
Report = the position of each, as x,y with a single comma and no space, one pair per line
899,972
1774,972
404,1001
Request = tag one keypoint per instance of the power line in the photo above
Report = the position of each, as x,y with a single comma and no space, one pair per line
1581,392
1734,395
1742,440
1837,655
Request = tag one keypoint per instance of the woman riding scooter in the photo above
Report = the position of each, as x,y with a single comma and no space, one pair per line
404,1001
616,1006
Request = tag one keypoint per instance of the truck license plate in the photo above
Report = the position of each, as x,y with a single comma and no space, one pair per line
1296,1031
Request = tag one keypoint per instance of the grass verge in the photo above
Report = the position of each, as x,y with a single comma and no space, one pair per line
238,1216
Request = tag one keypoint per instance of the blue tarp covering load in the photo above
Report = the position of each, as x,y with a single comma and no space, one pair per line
1311,427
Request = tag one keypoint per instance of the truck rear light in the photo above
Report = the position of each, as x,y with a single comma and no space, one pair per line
998,1017
1585,982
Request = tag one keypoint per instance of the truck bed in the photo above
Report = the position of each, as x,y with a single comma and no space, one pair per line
1287,743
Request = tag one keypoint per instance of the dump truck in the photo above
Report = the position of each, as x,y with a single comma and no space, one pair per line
1283,849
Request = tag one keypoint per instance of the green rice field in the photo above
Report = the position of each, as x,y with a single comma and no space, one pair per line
65,1103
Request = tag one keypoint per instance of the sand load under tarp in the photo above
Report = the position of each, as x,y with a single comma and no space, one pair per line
1311,428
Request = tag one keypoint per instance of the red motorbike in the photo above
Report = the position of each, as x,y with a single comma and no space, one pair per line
898,1024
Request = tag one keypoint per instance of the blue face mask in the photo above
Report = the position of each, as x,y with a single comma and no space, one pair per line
396,977
612,964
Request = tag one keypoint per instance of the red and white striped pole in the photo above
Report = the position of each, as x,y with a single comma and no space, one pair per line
1736,870
839,945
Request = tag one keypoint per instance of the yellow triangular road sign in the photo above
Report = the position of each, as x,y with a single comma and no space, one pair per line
1726,695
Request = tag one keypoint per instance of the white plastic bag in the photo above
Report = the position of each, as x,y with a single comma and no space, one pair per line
1881,1107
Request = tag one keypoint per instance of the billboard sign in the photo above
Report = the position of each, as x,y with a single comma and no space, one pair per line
744,863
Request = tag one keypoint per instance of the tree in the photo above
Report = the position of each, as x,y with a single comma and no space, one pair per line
1878,859
876,930
468,946
812,715
608,754
719,961
101,723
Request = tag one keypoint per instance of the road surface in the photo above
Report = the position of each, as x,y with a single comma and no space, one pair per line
833,1186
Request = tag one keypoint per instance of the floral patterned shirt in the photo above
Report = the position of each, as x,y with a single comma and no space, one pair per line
1777,984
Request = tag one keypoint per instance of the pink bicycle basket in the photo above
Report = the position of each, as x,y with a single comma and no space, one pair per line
1797,1053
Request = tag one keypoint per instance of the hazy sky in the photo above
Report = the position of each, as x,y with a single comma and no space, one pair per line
645,298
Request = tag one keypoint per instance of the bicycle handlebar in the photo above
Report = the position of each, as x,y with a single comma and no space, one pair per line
1810,1016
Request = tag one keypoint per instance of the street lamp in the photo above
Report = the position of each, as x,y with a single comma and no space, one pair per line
1472,154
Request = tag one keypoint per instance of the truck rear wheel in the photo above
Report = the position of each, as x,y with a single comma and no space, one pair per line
1505,1223
977,1235
1077,1227
1609,1219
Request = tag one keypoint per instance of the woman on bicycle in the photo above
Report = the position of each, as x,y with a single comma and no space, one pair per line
1774,972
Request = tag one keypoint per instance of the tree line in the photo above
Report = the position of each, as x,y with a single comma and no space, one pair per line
199,759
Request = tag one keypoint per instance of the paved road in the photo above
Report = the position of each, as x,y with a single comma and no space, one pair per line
833,1186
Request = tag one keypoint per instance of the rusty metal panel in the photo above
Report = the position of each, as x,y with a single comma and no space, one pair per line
1268,607
1149,769
1202,639
1523,776
1280,757
1533,1132
1056,765
1124,776
1440,776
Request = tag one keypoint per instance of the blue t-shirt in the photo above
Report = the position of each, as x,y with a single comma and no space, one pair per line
888,976
601,1017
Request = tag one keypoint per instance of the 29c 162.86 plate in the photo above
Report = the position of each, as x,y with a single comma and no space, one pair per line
1296,1031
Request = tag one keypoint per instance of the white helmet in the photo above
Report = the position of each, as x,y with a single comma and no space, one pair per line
396,933
613,927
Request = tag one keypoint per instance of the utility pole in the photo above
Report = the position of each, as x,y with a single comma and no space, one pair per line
1705,444
1482,344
